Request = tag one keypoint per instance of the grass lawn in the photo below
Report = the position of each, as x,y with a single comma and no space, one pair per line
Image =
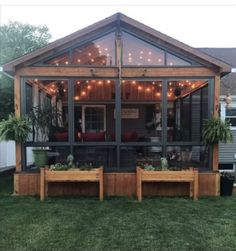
116,223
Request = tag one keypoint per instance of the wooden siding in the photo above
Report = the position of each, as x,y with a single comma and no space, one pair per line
115,184
227,151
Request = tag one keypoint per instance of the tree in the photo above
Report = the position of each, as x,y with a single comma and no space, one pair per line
17,39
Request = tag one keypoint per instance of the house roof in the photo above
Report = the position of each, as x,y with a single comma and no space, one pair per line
228,55
121,19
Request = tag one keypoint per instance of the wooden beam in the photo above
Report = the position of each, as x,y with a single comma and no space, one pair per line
68,71
128,72
167,72
17,99
215,149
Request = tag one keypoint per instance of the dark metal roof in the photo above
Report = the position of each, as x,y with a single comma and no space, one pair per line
228,84
120,18
227,55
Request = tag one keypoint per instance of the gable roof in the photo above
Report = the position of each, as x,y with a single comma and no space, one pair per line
228,82
227,55
120,19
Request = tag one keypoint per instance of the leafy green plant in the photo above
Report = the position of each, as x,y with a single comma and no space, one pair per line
44,118
15,128
86,166
59,167
216,130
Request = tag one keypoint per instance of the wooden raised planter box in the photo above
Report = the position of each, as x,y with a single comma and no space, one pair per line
190,176
46,176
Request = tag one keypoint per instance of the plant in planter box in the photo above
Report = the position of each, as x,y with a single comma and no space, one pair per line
15,128
226,183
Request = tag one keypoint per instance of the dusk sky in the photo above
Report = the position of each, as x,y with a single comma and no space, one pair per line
196,23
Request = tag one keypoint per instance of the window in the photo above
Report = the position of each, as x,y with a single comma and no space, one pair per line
59,60
138,52
172,60
97,52
230,115
93,118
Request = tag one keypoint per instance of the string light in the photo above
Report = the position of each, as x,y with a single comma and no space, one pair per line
89,87
108,81
66,62
158,94
76,97
78,60
99,82
133,82
83,93
89,54
140,87
148,89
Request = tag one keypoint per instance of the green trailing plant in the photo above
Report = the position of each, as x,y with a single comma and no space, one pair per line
216,130
15,128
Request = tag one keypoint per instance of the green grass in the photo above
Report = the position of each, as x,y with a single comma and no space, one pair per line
115,224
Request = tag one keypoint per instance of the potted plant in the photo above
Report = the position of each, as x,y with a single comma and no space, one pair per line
226,183
15,128
216,130
44,118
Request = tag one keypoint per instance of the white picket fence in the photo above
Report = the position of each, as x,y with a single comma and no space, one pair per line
7,155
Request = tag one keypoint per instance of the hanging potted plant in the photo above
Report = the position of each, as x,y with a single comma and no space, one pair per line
214,131
15,128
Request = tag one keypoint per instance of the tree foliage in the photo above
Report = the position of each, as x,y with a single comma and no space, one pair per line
17,39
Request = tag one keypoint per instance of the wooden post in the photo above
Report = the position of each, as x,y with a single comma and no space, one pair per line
101,183
139,184
17,99
215,150
42,184
195,188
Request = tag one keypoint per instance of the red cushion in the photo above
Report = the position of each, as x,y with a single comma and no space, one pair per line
93,136
61,136
113,136
129,136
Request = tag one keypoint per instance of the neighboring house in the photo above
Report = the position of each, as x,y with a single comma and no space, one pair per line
227,152
7,155
127,95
